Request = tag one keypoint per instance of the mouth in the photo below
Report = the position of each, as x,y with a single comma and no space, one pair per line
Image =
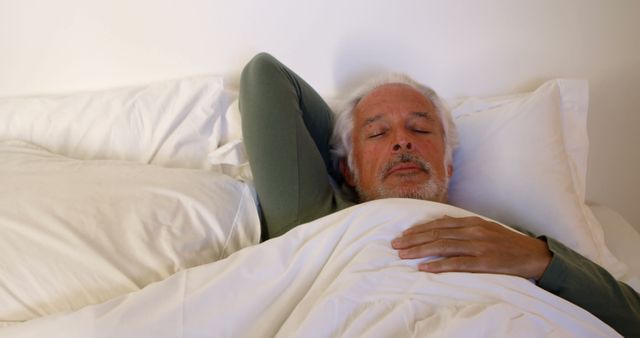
405,169
405,165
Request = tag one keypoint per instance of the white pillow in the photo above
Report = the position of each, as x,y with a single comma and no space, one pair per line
230,157
78,232
172,123
522,161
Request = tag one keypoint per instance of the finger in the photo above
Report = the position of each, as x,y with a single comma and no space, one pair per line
442,247
444,222
431,235
453,264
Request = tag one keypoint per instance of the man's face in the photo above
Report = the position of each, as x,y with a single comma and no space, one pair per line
398,146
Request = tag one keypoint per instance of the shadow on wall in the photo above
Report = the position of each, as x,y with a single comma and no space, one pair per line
359,58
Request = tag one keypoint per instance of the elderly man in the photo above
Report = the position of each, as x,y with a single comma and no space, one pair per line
394,139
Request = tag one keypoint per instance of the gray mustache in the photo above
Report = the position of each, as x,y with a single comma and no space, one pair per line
406,158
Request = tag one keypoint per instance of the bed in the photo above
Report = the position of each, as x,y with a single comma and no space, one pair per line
130,212
127,206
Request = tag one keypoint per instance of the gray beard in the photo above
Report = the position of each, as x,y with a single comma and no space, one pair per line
432,190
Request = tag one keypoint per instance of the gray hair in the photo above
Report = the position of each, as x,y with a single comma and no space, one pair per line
341,142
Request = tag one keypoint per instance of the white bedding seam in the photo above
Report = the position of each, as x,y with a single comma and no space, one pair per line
182,301
234,226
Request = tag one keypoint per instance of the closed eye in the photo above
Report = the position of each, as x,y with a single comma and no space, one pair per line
422,131
376,134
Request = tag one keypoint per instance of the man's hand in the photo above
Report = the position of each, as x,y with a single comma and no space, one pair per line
472,244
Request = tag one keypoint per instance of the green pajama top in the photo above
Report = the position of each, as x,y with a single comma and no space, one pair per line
286,129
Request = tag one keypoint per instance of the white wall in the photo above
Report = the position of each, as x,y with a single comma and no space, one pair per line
459,47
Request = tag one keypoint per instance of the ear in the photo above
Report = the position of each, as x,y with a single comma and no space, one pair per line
450,170
346,173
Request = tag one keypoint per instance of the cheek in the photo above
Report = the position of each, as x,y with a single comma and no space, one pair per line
434,151
368,154
368,158
433,146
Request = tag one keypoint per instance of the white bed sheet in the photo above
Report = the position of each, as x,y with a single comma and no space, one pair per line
336,276
623,240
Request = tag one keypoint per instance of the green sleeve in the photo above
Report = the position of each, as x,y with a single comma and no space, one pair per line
586,284
286,129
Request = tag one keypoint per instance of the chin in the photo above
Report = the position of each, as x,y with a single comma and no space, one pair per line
419,195
432,190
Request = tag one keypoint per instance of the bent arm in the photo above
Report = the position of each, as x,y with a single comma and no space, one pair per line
286,128
586,284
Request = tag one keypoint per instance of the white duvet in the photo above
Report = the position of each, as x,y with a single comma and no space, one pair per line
336,276
75,233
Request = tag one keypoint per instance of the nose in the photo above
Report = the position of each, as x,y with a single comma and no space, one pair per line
402,144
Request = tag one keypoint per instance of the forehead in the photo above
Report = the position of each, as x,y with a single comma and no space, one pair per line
391,99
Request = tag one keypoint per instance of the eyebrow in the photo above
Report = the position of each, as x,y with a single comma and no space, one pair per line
423,114
420,114
372,119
